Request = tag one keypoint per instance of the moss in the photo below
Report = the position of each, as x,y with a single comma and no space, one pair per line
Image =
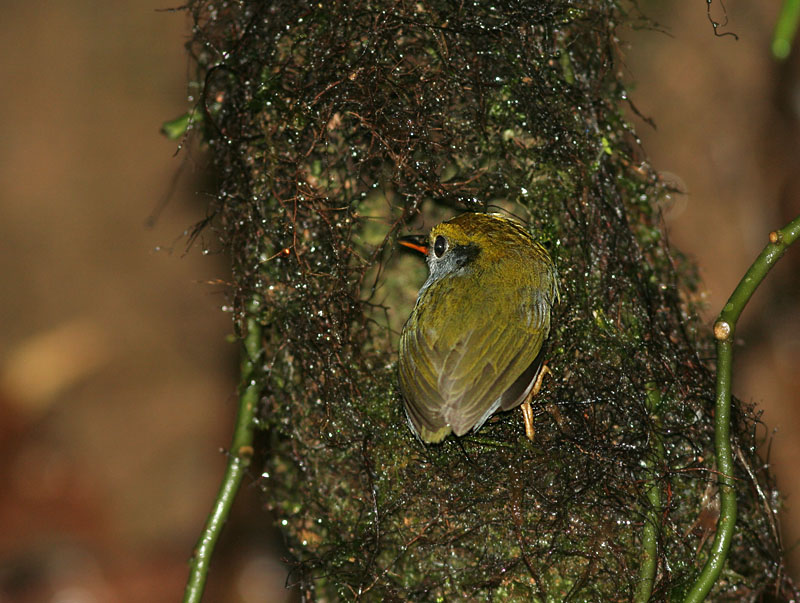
335,126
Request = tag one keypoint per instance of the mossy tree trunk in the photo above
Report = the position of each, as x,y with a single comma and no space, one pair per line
336,125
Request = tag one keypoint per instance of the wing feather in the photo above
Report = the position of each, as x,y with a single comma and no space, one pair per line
454,377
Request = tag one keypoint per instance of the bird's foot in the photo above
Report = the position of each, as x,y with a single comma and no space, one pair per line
527,411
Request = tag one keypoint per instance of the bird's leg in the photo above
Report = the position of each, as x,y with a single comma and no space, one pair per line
527,411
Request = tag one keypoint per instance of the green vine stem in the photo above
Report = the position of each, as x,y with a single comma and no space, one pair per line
240,455
724,330
652,521
785,29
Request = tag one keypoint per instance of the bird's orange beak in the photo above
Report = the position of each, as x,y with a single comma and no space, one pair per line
418,243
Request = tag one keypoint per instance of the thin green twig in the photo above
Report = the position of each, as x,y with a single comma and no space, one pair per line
652,520
239,458
724,330
785,29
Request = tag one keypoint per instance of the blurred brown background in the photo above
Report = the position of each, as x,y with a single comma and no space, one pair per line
117,387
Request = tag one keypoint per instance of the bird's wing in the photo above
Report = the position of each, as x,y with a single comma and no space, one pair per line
459,374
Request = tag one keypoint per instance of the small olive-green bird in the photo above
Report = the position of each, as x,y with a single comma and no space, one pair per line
472,345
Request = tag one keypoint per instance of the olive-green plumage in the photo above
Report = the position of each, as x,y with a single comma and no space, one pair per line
471,345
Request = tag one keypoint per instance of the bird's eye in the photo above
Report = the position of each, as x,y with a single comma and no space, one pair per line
439,246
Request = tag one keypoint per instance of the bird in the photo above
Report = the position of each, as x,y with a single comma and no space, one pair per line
472,345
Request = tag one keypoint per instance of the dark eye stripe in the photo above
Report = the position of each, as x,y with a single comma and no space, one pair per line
439,246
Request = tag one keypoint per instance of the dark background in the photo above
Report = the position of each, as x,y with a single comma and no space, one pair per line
117,385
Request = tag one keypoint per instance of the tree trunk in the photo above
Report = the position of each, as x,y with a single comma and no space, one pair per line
334,126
